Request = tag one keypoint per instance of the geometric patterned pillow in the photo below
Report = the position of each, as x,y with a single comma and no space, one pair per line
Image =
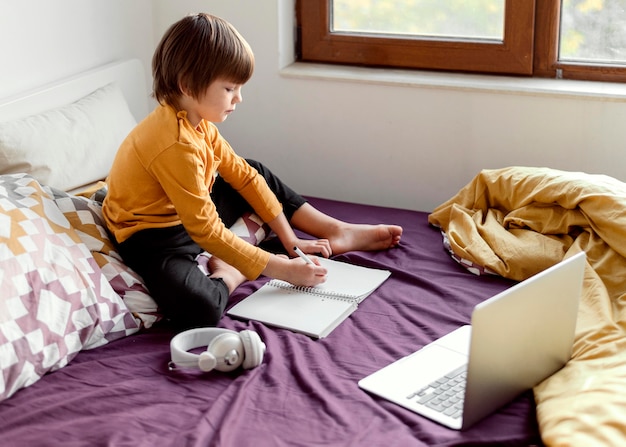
251,228
54,299
471,267
85,216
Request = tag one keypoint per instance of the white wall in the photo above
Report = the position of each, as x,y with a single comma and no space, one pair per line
404,146
43,41
396,145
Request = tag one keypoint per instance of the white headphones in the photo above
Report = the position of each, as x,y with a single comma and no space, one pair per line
226,349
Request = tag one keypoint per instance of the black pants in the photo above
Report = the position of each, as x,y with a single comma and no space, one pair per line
165,258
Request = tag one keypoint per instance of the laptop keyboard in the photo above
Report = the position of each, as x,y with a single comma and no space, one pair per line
444,395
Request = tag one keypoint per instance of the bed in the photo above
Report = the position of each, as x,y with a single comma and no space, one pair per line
84,351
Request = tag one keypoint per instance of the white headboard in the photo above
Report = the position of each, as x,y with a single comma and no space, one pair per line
129,75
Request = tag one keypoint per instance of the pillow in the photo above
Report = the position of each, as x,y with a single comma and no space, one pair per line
472,267
54,299
69,146
251,228
85,216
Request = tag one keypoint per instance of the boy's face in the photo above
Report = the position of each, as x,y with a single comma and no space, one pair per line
216,104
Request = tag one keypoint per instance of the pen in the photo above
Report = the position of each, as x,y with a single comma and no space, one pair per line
303,256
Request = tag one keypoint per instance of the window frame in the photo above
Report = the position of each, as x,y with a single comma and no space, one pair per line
546,54
529,47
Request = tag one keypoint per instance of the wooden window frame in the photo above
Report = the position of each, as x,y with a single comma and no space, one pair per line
529,47
546,54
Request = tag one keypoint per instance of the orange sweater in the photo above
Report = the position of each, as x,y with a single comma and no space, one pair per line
162,176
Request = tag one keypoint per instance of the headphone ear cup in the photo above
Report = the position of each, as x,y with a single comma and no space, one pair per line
206,361
228,350
254,349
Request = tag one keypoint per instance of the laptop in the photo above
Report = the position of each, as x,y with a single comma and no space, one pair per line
517,338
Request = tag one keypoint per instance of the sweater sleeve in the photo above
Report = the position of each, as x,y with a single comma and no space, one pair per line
247,181
186,172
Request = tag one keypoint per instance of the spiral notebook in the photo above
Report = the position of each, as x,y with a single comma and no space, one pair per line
314,311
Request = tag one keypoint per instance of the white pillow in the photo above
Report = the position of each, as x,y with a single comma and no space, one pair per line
69,146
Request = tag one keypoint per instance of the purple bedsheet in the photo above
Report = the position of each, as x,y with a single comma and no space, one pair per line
305,393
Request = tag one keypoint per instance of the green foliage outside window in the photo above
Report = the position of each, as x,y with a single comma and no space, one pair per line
592,31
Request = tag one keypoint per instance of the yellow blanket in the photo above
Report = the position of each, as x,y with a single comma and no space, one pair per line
518,221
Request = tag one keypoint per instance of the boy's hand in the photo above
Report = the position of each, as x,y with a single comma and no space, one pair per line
319,247
296,271
302,273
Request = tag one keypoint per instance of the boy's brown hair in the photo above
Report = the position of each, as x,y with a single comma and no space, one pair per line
194,52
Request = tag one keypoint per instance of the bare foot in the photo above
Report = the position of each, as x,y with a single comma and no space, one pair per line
350,237
229,274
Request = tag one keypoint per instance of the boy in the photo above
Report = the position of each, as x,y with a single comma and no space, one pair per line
176,185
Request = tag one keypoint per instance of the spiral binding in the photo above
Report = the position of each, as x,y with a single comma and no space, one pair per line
314,291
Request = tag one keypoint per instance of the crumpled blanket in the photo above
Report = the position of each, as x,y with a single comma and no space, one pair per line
518,221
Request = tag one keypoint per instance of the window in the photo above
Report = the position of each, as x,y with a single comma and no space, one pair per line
576,39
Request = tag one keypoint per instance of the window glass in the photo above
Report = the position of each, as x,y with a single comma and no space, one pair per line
439,19
593,31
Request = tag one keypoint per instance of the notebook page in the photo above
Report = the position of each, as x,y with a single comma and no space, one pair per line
312,315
